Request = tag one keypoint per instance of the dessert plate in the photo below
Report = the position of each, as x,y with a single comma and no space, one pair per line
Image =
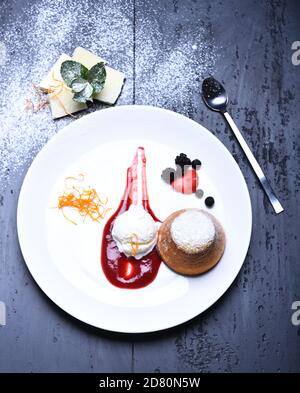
64,259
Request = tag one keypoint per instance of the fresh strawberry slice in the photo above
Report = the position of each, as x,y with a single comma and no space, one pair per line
188,183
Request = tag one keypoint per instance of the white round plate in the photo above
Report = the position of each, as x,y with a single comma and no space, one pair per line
64,258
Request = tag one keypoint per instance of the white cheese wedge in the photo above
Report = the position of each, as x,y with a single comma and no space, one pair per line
61,100
114,79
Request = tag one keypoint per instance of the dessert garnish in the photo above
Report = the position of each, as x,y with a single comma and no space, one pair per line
199,193
86,76
38,103
182,160
186,184
85,83
168,175
191,241
129,257
85,200
196,164
134,244
184,178
209,201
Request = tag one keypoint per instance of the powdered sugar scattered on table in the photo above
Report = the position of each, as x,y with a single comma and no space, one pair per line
165,76
34,41
170,77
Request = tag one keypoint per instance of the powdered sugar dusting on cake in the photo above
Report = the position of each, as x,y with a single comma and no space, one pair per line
193,231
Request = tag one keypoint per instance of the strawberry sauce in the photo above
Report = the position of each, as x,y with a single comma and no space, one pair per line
120,270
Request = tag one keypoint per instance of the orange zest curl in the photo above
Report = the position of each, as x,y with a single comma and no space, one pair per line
134,244
86,201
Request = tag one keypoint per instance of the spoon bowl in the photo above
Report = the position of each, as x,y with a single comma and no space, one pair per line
214,95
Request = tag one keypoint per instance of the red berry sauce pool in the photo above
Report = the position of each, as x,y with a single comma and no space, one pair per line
120,270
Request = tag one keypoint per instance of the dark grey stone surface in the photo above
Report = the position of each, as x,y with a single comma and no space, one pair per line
249,329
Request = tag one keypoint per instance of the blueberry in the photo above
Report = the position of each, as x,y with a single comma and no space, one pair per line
168,175
196,163
199,193
209,201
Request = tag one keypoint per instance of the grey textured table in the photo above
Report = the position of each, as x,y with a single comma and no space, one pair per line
165,48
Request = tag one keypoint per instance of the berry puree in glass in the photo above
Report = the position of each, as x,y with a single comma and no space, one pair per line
120,270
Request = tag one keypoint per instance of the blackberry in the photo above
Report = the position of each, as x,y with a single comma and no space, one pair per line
209,201
196,163
182,160
168,175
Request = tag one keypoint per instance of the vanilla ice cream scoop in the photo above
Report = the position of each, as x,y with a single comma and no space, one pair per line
134,232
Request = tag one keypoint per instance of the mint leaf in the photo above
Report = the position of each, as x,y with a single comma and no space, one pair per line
71,70
85,94
97,87
97,77
85,84
78,85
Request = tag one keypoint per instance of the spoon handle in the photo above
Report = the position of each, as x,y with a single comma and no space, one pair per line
255,165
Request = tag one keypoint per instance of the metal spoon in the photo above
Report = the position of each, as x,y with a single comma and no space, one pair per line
216,98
